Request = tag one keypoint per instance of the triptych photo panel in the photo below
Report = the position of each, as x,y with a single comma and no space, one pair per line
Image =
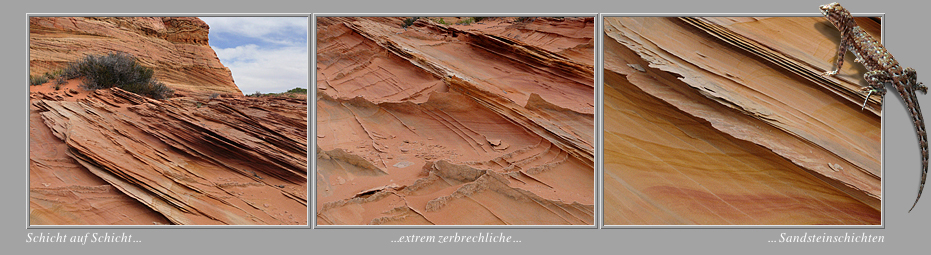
478,121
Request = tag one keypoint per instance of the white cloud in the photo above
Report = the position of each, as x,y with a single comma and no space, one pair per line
265,69
278,30
266,54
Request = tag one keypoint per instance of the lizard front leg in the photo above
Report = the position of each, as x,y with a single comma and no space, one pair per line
841,51
877,80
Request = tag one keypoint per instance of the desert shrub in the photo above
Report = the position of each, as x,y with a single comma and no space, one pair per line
466,21
37,79
153,88
290,93
58,82
298,90
117,70
524,19
70,71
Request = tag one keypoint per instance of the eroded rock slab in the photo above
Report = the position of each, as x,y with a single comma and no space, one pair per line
727,122
114,157
455,124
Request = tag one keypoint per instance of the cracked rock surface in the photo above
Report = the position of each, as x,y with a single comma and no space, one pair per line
489,123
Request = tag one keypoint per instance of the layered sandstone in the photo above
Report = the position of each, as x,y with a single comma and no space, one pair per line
112,157
175,47
489,123
728,121
205,156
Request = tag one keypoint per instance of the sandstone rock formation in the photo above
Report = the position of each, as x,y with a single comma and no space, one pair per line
727,121
112,157
175,47
489,123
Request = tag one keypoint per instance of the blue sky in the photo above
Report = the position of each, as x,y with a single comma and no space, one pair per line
266,54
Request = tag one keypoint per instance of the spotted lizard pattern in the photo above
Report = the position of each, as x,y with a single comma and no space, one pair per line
882,69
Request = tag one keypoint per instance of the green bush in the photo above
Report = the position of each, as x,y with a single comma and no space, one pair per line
409,21
58,82
290,93
117,70
70,71
466,21
298,90
524,19
37,80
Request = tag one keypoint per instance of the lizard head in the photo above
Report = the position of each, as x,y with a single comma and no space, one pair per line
838,16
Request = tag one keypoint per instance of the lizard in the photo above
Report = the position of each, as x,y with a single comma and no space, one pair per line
882,69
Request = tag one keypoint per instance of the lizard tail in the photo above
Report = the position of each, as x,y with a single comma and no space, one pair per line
915,112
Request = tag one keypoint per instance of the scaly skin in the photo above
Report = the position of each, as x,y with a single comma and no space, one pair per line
882,69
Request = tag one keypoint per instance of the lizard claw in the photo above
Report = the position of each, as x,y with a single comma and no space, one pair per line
870,91
864,105
830,73
866,100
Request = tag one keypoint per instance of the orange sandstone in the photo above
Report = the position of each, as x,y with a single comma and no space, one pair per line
452,124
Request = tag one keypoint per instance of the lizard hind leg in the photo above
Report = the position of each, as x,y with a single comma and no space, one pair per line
877,80
912,77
